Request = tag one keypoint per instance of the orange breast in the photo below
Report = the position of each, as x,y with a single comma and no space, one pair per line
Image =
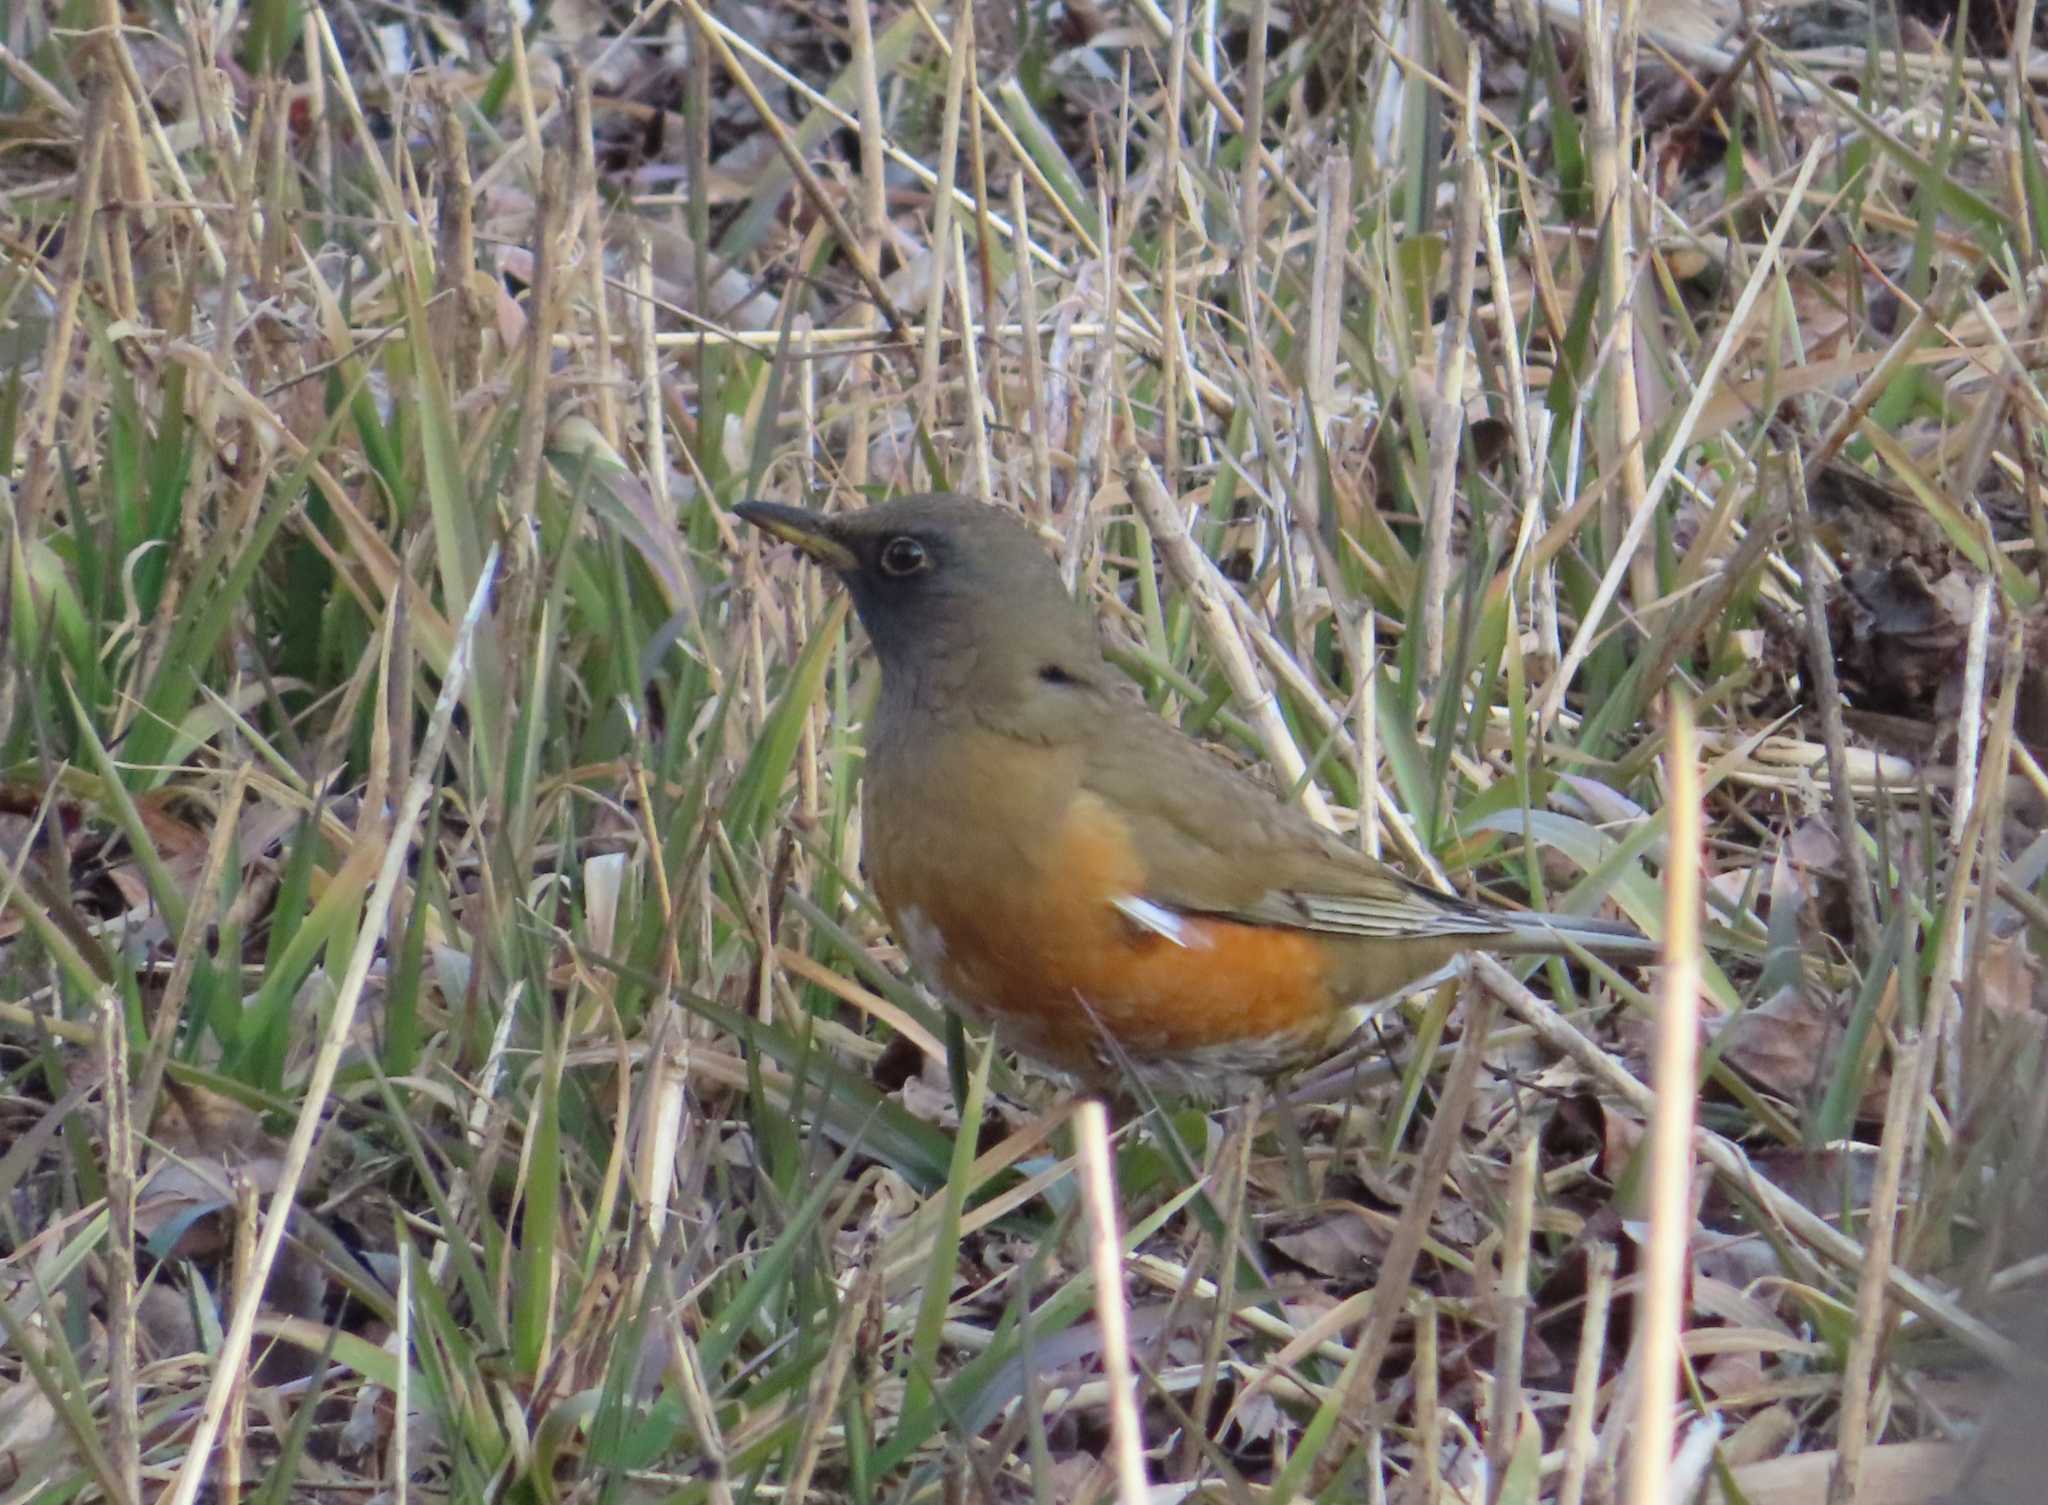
1040,949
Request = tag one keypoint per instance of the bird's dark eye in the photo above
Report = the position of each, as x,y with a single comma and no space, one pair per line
903,555
1053,674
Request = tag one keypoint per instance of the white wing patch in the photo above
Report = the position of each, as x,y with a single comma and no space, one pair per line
1160,920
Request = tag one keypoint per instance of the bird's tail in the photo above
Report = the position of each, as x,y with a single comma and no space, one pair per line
1533,933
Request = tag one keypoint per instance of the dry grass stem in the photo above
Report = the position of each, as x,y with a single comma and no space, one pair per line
1098,1194
1674,1083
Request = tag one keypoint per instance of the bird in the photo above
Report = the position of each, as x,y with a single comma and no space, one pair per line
1066,866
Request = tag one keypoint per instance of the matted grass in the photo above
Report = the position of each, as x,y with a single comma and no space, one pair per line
448,1048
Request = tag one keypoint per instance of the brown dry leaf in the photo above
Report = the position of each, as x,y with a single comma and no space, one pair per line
2009,977
1814,1178
1826,327
208,1143
1899,635
126,879
1621,1132
187,1201
1727,1374
193,1121
1460,1224
1867,521
1784,1044
185,1210
1339,1243
1259,1418
1812,846
181,844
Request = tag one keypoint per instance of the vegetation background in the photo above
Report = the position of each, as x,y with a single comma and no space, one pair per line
446,1050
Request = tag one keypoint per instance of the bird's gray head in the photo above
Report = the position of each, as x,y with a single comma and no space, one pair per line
961,599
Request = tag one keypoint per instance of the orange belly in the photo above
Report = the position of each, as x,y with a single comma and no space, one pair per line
1047,958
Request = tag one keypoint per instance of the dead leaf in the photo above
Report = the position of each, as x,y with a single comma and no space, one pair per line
1728,1374
2009,977
1815,1178
209,1148
1899,637
1340,1244
1791,1043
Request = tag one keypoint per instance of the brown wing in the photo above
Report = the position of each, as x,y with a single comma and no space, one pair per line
1215,841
